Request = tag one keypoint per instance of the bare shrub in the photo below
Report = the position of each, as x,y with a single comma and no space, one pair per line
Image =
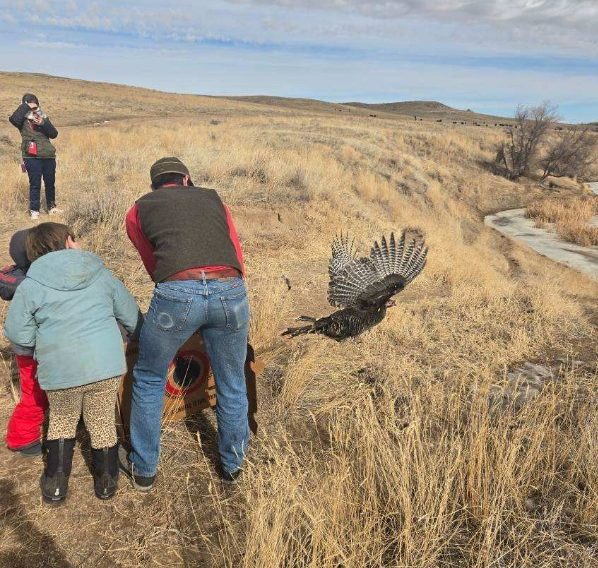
571,153
518,155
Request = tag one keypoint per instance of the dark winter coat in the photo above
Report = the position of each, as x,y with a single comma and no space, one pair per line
31,132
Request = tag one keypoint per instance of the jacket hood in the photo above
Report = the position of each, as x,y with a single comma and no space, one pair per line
68,269
17,250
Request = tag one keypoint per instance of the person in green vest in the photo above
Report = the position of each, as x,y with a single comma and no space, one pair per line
39,155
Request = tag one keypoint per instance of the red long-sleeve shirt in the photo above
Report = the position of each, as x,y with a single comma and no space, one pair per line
146,249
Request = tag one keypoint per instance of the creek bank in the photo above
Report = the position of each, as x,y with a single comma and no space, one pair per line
514,224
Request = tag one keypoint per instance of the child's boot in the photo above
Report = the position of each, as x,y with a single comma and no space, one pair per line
54,481
105,471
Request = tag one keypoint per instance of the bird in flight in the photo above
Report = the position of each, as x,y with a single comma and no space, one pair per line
363,287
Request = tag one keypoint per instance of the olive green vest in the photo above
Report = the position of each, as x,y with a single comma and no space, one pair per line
45,149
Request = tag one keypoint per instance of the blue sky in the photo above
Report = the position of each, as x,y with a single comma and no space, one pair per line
487,55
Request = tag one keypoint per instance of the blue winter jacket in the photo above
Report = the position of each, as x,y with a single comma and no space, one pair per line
67,308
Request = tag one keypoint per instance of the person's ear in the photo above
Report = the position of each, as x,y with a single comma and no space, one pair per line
71,244
186,181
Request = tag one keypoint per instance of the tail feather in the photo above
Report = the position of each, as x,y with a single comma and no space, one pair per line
295,331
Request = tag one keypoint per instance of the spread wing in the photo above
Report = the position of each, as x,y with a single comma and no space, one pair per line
405,258
349,275
367,281
348,284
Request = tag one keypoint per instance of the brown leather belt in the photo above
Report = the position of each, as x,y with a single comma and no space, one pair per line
200,274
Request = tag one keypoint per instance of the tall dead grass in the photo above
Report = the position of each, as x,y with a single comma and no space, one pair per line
571,218
379,451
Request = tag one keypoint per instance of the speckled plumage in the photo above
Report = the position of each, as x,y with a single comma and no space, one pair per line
361,287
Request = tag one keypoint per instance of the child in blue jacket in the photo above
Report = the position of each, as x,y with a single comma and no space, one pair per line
67,308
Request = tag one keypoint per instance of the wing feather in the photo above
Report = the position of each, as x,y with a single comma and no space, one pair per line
347,285
390,266
396,262
343,253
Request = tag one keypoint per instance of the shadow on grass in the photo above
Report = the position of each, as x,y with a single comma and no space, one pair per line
32,548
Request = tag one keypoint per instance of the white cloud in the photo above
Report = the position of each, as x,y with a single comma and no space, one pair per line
568,23
459,51
553,24
560,12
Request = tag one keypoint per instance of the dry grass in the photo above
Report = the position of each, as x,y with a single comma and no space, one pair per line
382,451
571,218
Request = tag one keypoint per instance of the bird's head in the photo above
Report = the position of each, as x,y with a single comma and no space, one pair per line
390,303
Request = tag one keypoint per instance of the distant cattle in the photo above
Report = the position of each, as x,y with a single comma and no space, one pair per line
373,115
439,120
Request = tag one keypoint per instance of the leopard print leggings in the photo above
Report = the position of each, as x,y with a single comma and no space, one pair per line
96,401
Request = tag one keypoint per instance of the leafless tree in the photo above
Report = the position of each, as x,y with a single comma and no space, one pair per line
571,153
520,152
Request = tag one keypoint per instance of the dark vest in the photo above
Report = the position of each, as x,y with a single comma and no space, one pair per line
187,227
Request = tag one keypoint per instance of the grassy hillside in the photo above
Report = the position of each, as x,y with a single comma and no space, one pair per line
73,102
433,110
381,451
424,110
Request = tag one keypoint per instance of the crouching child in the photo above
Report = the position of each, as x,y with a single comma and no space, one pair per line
67,308
24,426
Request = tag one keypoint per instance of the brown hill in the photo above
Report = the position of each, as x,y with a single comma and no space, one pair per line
407,107
431,110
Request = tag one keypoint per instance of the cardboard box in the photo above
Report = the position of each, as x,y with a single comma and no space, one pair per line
190,385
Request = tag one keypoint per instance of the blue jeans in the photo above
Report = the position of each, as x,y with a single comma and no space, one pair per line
220,309
36,169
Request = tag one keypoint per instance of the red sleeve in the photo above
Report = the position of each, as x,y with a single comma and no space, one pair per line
232,232
139,240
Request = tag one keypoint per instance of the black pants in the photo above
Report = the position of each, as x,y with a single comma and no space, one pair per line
36,169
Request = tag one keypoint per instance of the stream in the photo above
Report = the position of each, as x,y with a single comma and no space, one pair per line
515,225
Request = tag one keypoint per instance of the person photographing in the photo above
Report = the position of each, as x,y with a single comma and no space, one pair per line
39,155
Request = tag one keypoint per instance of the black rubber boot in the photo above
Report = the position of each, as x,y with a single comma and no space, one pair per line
54,481
105,471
